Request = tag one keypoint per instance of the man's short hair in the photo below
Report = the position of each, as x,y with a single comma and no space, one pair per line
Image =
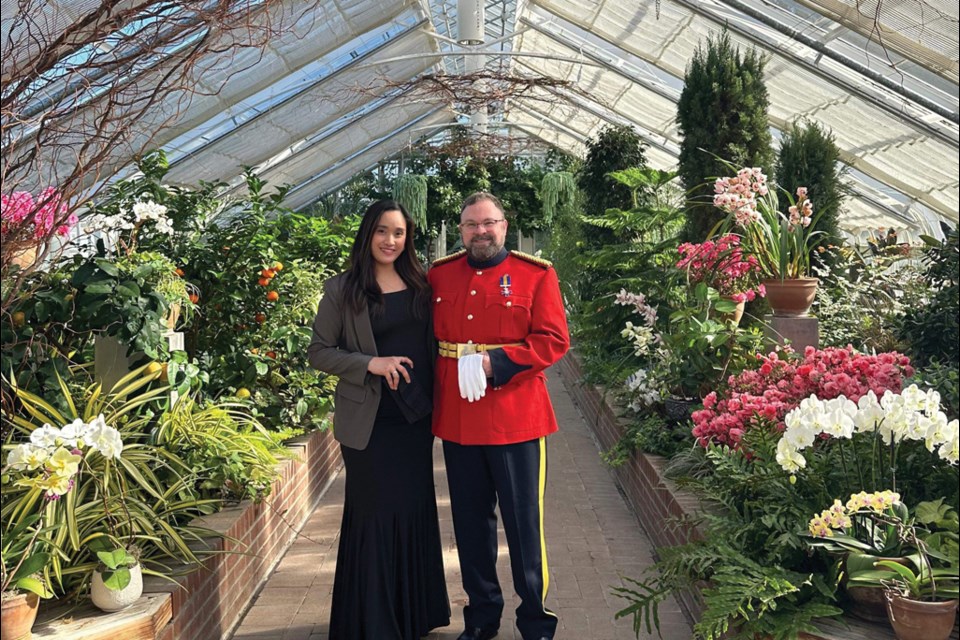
480,196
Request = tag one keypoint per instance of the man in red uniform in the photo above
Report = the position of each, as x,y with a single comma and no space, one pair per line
500,321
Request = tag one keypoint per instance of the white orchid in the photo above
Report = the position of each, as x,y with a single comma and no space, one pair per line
58,453
911,415
27,457
105,439
45,436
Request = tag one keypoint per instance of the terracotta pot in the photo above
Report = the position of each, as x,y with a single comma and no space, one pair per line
19,614
791,298
737,314
868,603
173,315
920,620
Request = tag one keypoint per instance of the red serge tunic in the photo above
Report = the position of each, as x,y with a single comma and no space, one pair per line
516,301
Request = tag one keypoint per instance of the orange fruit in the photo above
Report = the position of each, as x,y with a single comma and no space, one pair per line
19,318
243,392
273,296
264,282
267,273
179,271
254,351
278,266
260,318
271,354
154,367
194,298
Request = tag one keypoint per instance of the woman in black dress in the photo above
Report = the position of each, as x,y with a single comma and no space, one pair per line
373,331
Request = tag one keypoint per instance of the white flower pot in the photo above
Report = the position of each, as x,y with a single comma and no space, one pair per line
109,600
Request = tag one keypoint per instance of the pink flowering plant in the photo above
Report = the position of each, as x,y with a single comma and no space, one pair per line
761,397
723,266
781,243
44,215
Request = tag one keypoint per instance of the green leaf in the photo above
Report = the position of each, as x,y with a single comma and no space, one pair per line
262,368
128,289
31,565
117,580
108,267
34,586
100,288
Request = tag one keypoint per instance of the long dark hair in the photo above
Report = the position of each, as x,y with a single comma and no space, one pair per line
360,281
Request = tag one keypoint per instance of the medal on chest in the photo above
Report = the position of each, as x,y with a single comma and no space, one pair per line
505,282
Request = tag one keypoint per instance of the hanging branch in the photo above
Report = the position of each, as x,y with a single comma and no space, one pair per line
410,190
85,92
557,192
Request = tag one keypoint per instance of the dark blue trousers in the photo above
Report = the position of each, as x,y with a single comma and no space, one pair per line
515,475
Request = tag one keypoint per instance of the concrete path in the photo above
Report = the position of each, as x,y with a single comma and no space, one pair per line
592,539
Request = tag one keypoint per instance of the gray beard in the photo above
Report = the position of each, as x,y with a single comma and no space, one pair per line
482,254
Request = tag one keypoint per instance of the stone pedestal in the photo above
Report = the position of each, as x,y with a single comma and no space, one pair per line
799,332
110,361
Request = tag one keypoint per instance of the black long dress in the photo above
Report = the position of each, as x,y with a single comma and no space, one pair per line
389,582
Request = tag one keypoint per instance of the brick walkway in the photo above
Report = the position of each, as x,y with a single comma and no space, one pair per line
592,538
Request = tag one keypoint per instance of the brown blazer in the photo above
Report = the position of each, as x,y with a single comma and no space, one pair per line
343,345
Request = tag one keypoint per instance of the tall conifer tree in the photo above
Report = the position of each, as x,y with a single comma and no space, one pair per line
722,115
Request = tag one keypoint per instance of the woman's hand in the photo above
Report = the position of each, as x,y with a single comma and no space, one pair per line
391,368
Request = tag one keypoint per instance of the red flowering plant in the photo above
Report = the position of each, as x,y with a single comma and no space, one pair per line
763,396
723,266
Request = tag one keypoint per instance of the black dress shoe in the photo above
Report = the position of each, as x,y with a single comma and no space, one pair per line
478,633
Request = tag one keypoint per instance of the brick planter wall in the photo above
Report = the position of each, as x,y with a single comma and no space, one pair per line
214,598
656,500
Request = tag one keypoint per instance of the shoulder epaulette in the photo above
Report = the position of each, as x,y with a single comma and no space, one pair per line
449,258
546,264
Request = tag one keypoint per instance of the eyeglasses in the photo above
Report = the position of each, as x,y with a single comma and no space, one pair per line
473,226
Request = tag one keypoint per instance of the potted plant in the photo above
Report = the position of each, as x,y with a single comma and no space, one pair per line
118,579
921,594
781,243
23,577
722,264
862,532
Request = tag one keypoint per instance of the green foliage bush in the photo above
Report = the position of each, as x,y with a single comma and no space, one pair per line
722,116
862,300
933,328
758,578
616,148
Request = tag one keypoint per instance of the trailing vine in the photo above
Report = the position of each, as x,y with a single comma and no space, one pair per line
557,192
410,190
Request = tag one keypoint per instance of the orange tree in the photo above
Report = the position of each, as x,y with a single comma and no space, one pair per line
259,271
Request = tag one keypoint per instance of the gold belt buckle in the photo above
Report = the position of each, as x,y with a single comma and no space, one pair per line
465,350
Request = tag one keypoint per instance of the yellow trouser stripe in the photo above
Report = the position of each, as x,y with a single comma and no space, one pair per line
543,539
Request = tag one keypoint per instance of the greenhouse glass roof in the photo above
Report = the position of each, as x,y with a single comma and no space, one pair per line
350,83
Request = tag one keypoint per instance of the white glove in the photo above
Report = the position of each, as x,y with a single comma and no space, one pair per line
473,381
